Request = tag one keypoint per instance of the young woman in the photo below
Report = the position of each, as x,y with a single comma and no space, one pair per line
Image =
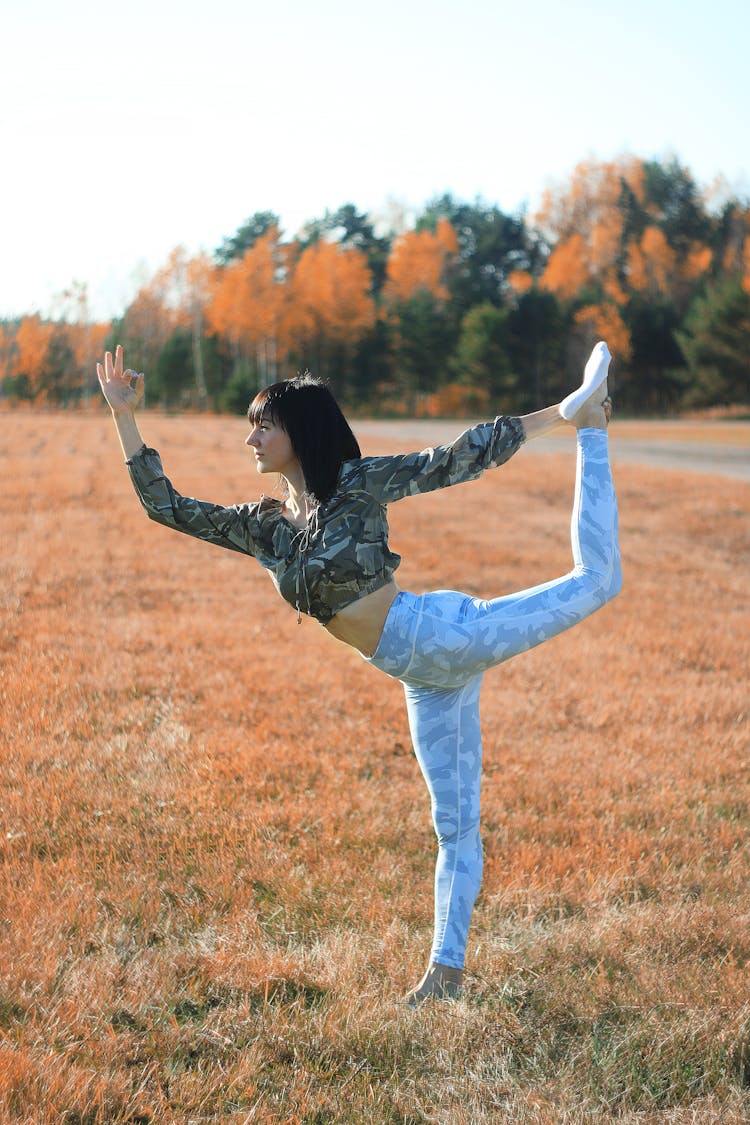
325,546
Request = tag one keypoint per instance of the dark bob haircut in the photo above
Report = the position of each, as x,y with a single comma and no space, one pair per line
320,434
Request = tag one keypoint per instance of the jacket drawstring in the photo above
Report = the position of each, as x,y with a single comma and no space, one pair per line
302,541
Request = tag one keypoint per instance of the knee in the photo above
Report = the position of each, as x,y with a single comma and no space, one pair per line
456,829
602,585
463,857
614,585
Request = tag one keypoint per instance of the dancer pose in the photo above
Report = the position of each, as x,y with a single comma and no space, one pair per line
325,546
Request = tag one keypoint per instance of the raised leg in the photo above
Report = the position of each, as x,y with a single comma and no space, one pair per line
459,637
506,626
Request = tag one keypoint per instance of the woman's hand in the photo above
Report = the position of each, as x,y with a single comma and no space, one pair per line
123,390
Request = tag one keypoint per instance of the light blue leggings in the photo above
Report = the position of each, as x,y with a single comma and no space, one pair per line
440,644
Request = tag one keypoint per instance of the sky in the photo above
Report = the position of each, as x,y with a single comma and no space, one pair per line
131,129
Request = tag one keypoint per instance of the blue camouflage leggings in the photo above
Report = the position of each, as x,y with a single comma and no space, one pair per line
440,644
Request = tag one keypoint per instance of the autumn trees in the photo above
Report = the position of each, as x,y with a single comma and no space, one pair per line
265,306
635,248
468,310
49,362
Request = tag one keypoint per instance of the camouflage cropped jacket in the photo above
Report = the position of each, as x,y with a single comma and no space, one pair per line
343,552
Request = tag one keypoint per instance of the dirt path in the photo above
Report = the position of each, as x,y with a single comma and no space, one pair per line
696,447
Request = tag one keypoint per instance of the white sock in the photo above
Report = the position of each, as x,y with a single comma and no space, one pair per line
594,374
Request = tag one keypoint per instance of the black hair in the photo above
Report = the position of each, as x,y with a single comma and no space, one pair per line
320,435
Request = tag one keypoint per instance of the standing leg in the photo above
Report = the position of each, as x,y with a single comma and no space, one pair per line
447,740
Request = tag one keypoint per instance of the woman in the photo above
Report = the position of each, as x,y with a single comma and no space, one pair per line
326,548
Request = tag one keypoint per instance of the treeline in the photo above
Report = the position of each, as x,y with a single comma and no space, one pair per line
470,310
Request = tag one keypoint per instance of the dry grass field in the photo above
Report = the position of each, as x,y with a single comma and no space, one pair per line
215,847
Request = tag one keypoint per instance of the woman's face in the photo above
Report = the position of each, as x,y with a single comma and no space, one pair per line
273,449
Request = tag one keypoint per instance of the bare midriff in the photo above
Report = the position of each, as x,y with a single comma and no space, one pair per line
361,623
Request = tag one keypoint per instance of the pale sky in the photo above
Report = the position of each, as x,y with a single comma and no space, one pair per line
131,129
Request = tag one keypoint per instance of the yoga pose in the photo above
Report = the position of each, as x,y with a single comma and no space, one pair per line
325,546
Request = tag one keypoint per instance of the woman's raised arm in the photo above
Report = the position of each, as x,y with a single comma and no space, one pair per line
123,391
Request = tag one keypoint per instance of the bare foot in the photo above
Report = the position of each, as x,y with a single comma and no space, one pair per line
595,412
440,982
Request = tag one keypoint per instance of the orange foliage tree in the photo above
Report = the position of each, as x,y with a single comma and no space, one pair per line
628,256
52,360
520,282
330,306
199,275
736,258
87,340
247,305
417,264
414,295
603,322
7,349
80,341
586,225
26,351
173,301
154,314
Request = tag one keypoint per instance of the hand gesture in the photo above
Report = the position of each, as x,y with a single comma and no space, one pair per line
123,390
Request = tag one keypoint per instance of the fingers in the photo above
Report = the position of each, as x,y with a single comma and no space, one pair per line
112,367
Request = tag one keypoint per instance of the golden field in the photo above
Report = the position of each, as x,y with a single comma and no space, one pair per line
216,854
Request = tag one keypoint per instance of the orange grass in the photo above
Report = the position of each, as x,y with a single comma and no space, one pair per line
215,848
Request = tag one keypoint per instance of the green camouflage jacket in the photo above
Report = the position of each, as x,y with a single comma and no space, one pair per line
343,552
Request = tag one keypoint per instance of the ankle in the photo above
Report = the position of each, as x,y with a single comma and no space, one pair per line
447,972
594,415
590,418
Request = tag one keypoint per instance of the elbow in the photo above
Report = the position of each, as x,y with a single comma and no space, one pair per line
158,516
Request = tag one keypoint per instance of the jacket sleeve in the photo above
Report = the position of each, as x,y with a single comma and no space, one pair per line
481,447
233,528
